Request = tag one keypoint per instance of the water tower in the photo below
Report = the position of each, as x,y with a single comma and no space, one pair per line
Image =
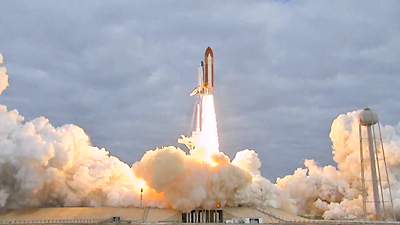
373,160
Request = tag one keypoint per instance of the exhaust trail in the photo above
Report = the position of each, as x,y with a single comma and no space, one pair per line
207,144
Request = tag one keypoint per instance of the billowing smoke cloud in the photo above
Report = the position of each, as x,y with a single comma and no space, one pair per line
261,192
189,182
43,165
336,193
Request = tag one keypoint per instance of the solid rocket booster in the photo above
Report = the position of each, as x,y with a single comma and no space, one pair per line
205,75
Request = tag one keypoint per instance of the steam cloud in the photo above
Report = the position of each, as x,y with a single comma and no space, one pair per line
42,165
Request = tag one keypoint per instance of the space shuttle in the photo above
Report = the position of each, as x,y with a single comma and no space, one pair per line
205,75
205,85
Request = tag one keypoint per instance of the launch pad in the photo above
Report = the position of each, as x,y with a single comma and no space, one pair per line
116,215
88,215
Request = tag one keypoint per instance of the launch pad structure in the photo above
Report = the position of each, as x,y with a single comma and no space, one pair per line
372,156
117,215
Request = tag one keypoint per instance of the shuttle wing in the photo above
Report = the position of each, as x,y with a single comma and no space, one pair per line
194,92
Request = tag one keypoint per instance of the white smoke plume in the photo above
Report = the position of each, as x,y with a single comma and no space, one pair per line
261,192
336,193
189,182
43,165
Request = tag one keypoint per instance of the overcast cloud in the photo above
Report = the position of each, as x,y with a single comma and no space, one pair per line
123,70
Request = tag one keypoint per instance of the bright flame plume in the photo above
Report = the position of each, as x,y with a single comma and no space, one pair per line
207,144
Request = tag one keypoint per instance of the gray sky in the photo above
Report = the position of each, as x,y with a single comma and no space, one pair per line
123,70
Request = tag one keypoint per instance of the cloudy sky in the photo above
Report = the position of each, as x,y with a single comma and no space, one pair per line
123,70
